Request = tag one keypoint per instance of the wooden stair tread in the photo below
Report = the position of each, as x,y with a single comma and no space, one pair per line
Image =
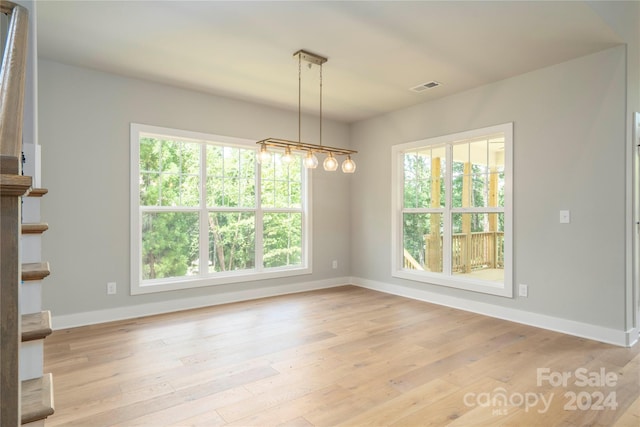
35,271
37,192
36,326
37,399
14,185
34,228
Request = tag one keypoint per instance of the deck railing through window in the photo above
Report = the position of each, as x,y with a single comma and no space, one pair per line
469,252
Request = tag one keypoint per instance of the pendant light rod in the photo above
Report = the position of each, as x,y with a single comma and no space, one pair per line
348,166
303,146
299,97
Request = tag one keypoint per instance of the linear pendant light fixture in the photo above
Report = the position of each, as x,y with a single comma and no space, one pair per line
310,150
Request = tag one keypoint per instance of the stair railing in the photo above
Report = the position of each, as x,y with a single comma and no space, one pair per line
12,186
12,78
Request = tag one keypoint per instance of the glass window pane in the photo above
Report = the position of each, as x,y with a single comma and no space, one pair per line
268,193
460,157
501,189
190,158
149,189
423,178
170,156
496,154
477,246
190,191
461,186
496,190
247,193
149,155
170,243
170,190
479,194
282,184
214,161
478,155
295,197
215,195
282,194
230,177
422,237
231,162
231,241
282,239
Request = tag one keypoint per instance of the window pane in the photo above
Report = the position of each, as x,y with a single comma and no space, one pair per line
190,161
190,192
496,190
231,241
423,178
479,194
170,156
230,177
169,244
479,156
214,161
282,183
422,236
476,168
149,155
169,172
496,154
247,192
170,190
477,246
149,189
282,239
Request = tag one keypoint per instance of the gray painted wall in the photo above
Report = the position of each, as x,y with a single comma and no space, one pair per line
84,132
570,150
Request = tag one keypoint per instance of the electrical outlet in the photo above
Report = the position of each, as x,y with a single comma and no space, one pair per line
111,288
334,264
523,290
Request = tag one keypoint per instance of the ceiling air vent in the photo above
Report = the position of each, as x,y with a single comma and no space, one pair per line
425,86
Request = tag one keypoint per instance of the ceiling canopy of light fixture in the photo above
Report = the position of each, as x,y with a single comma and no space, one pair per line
310,161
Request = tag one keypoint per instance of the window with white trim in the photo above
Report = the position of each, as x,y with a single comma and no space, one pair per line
452,210
205,212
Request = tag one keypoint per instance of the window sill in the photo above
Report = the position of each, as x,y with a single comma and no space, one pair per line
182,283
475,285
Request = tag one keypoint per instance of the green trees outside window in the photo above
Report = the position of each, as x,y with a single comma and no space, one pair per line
470,196
207,208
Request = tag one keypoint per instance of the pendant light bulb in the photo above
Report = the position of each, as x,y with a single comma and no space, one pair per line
348,166
264,157
287,157
330,163
311,161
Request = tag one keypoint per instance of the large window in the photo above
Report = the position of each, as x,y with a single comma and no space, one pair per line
452,198
204,212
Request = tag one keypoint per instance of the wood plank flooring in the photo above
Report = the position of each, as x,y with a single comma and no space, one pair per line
338,357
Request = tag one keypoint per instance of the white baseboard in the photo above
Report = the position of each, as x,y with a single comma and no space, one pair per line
571,327
141,310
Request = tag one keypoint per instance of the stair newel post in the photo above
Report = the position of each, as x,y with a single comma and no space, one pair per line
12,187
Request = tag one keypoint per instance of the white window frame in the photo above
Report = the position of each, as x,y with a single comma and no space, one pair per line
140,286
445,278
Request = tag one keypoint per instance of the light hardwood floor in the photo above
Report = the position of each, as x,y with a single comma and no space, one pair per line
339,357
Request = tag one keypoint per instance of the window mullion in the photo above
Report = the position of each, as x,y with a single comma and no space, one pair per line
204,214
258,223
447,220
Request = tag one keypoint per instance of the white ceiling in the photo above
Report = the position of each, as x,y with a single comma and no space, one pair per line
376,50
